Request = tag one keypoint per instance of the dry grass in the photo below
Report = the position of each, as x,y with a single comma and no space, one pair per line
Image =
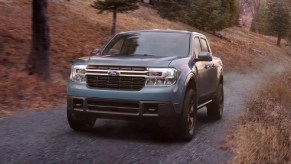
263,134
75,29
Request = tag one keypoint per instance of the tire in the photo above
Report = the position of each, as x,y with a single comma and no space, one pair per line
78,124
215,108
187,123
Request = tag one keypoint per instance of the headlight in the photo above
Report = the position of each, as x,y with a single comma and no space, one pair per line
78,73
161,77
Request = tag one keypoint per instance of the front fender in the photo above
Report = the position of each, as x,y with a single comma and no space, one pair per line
193,76
185,78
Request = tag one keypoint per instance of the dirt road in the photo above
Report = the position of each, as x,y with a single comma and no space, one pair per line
45,137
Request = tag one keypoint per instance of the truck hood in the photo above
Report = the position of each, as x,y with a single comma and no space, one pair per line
138,61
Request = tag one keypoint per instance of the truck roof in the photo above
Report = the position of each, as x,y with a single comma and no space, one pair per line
164,30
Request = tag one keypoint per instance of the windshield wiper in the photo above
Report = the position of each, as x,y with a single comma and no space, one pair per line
128,55
143,55
148,55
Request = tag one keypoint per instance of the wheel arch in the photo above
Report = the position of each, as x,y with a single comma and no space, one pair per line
191,83
221,79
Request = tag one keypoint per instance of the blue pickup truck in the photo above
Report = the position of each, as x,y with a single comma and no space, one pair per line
161,76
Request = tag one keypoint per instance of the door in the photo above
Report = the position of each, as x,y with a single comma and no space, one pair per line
203,71
212,79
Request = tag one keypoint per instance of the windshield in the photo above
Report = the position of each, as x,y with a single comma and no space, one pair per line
149,44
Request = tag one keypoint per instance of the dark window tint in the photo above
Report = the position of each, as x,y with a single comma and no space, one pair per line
197,47
149,43
204,45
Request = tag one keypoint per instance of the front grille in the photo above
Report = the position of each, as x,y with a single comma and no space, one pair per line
115,82
102,106
123,78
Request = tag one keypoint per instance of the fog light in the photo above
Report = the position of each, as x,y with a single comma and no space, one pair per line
78,103
151,108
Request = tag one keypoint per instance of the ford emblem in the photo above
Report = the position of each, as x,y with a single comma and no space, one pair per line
113,73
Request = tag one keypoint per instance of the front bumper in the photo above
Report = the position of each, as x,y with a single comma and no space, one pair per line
172,96
162,104
125,110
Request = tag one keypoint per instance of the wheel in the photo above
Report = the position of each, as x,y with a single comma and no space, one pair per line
187,123
80,124
215,108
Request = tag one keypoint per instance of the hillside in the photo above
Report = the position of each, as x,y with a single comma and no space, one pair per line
76,29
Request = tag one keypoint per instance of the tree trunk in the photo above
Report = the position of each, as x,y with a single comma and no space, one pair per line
38,60
113,30
279,39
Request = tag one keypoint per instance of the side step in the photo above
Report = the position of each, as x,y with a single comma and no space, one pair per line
204,104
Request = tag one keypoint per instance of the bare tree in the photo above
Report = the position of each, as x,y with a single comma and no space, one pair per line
253,5
38,60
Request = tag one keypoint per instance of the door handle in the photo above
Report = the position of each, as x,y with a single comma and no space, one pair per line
206,66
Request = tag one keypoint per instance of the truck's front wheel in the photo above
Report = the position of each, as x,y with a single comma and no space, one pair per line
187,123
79,124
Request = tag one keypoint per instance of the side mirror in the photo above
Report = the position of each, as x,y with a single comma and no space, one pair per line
203,56
95,52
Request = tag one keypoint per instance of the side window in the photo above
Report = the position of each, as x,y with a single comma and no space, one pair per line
204,45
197,46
